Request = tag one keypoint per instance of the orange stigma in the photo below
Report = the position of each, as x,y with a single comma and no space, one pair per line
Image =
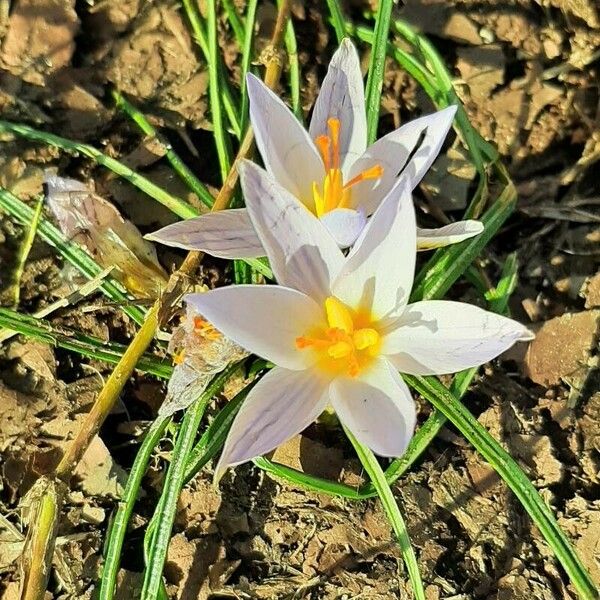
333,192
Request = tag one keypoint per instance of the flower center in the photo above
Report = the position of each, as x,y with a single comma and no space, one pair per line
347,345
333,192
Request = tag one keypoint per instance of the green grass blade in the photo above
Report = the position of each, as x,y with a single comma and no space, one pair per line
185,173
235,21
431,389
213,438
291,47
247,49
337,19
221,138
25,249
69,250
392,510
499,296
118,528
448,264
86,345
167,508
200,37
179,206
377,67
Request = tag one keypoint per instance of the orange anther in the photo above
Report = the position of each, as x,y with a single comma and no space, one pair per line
324,146
334,130
373,173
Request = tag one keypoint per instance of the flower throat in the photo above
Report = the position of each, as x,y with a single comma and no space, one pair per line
334,193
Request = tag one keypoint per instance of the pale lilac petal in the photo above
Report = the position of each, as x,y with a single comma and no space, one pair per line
342,96
302,253
287,151
377,408
344,225
436,337
379,271
263,319
226,234
280,406
396,153
428,239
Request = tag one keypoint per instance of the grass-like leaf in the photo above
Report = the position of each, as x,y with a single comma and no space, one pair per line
390,505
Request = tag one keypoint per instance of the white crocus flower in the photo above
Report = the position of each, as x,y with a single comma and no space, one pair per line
329,168
339,328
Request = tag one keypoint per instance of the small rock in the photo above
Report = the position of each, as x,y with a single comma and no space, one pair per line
93,514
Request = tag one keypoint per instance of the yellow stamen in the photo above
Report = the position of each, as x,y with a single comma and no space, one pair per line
363,338
340,350
338,315
347,345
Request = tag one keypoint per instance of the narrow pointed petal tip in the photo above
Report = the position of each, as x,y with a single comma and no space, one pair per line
439,337
429,239
225,234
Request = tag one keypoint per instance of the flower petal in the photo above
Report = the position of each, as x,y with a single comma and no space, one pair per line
436,337
428,239
344,225
287,151
396,153
280,406
226,234
302,253
377,407
342,96
264,319
378,272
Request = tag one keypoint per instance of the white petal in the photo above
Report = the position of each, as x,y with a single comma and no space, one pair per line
428,239
377,408
436,337
345,225
287,151
226,234
280,406
342,96
396,153
264,319
379,271
302,253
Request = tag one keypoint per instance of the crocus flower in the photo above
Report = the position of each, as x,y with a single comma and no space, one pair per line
329,168
339,328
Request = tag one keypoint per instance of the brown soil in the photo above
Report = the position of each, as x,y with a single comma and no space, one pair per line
528,75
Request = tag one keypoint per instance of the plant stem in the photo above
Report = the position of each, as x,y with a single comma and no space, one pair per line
107,397
377,67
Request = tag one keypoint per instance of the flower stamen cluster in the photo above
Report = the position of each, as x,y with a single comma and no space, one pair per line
347,345
334,193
